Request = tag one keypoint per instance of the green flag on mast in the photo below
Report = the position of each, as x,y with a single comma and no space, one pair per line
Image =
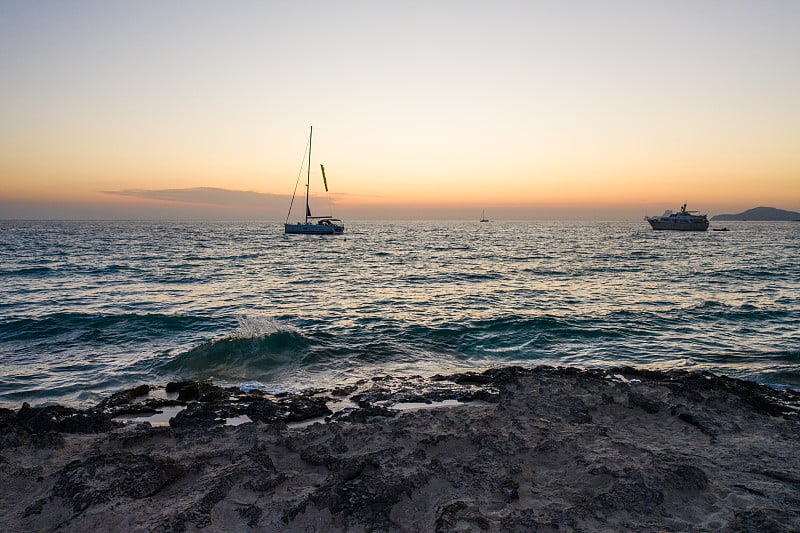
324,179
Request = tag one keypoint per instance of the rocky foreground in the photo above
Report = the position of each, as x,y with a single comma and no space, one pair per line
511,449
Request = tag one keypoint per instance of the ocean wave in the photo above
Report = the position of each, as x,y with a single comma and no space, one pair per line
63,268
712,309
757,273
786,378
27,272
86,326
177,278
452,277
112,269
255,347
512,336
786,355
261,348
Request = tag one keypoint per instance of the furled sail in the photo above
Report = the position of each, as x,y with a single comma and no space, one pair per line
324,179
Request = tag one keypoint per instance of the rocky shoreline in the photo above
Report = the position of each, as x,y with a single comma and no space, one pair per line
508,449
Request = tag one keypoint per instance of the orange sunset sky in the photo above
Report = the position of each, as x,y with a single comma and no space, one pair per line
421,109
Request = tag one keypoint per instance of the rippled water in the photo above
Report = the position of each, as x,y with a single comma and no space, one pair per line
89,307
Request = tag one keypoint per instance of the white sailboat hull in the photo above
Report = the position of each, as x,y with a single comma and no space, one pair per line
313,229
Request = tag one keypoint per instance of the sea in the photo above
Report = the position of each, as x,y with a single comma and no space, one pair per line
90,308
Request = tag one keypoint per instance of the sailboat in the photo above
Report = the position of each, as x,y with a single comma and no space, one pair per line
483,216
313,225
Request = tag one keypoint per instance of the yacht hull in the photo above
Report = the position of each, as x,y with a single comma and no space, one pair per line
678,225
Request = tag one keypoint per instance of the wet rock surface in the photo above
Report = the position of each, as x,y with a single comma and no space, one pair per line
509,449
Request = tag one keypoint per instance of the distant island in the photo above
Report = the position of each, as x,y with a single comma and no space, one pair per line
761,213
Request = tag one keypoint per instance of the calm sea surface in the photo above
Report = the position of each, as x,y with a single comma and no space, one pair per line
91,307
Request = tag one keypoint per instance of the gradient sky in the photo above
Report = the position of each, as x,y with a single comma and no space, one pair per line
435,109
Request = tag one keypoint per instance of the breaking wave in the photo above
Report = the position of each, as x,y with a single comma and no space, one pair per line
257,346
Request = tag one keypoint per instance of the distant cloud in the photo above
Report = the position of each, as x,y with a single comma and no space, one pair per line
208,196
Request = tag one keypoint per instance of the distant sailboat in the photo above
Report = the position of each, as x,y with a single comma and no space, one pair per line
324,225
483,216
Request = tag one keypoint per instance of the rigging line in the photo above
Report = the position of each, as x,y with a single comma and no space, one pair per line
297,182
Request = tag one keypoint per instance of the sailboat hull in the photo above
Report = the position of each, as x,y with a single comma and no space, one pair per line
313,229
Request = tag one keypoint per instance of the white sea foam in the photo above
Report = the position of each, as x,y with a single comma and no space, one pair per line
253,327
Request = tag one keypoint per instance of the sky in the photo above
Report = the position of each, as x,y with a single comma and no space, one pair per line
421,109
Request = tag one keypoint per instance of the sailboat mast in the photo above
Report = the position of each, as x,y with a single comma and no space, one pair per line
308,171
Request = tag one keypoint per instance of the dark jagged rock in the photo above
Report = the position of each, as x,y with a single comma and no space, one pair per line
633,494
458,516
199,389
195,416
685,477
175,386
781,476
12,432
646,373
550,449
344,391
764,520
363,415
641,401
492,376
507,443
123,397
305,408
260,456
265,476
251,514
35,508
204,391
527,520
265,481
148,406
264,411
139,434
252,392
64,420
418,390
705,421
137,392
214,396
200,514
198,416
195,512
759,397
107,477
51,439
296,408
369,495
